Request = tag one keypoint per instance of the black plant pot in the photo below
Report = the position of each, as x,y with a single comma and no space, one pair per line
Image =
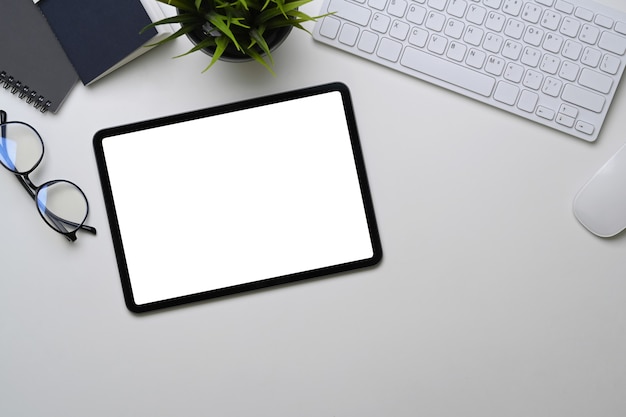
273,38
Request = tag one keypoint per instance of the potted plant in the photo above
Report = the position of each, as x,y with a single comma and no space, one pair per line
234,30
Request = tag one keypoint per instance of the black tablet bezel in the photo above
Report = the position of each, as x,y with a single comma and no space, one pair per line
118,245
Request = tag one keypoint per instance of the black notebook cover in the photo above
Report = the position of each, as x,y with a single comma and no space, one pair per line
97,34
33,65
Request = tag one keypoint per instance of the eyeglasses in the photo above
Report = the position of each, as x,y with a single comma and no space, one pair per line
60,203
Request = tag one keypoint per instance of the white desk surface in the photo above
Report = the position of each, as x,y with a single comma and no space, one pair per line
491,300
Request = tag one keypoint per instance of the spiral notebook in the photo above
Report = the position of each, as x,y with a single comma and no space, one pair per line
33,65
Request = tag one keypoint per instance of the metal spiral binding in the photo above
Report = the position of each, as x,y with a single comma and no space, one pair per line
24,92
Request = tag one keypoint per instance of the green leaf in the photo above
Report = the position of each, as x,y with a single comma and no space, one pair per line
182,31
258,39
269,14
219,24
220,46
258,58
205,43
185,5
182,19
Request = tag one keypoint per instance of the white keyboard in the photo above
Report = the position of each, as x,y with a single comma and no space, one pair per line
555,62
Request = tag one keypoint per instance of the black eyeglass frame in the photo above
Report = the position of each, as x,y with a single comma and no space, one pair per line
32,189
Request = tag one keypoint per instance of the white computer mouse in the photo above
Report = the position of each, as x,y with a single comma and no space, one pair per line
600,205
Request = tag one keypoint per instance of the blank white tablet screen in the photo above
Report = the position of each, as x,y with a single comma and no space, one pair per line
237,197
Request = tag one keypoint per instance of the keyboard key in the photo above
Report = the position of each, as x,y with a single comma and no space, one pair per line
596,81
553,42
572,50
506,93
612,43
350,11
448,72
565,120
389,50
547,3
610,64
330,27
495,65
476,58
368,41
435,21
604,21
494,4
349,34
437,44
377,4
397,8
570,27
583,13
527,101
457,8
495,21
550,20
493,43
454,28
476,14
531,13
418,37
512,50
591,57
399,30
585,127
545,113
437,4
533,79
583,98
531,57
569,71
564,6
533,36
474,35
552,87
380,23
514,28
589,34
550,64
456,51
514,72
512,7
568,110
416,14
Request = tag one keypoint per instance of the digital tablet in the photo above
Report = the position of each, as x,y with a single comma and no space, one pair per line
237,197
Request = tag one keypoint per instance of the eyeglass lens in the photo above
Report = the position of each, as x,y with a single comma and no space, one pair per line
62,205
21,148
